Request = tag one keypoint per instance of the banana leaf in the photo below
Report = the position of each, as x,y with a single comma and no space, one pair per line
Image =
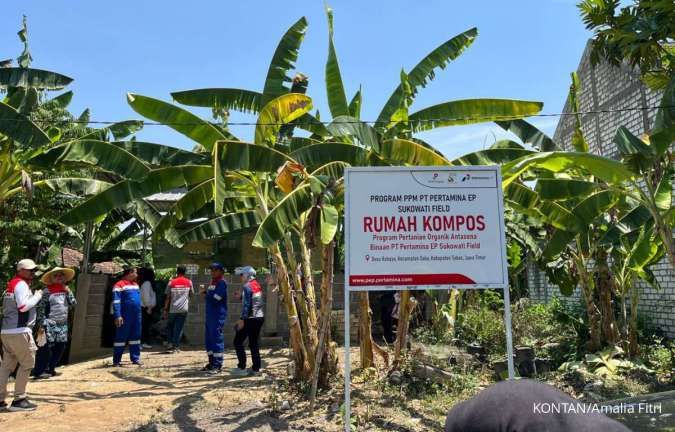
471,111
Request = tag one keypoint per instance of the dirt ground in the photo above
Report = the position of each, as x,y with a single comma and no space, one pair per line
169,394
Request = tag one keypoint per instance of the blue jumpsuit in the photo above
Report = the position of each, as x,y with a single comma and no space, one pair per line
127,304
216,312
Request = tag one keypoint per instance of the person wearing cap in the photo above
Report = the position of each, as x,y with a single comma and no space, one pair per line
127,313
250,322
216,313
176,306
53,309
19,315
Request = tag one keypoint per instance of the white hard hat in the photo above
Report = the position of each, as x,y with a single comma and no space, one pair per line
26,264
247,271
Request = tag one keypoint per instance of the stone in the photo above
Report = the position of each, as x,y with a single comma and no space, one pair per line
501,369
526,368
461,359
524,353
433,373
290,369
543,365
285,406
395,378
594,387
475,349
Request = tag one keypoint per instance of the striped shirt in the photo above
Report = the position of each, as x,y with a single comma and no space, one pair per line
179,289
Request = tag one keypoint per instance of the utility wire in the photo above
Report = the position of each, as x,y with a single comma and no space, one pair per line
373,122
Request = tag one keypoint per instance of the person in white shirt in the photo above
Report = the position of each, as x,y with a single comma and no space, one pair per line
146,277
19,315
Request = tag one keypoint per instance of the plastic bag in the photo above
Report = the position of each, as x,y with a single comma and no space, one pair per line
41,338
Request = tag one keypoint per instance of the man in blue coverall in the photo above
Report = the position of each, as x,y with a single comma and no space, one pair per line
216,312
127,312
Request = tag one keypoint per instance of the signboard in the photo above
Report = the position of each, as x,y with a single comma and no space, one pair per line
421,227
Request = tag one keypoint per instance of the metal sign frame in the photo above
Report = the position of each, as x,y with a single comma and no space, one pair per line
348,289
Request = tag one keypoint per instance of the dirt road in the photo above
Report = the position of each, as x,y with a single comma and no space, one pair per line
167,393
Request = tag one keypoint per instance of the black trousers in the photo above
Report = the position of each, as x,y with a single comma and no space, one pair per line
251,330
48,357
146,323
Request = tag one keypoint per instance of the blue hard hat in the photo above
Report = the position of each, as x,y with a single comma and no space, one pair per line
217,266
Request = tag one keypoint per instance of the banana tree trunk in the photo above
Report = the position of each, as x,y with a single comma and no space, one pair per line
605,286
365,331
310,293
301,303
633,347
324,329
405,308
588,291
455,298
302,365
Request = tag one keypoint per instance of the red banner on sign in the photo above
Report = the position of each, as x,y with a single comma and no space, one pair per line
410,279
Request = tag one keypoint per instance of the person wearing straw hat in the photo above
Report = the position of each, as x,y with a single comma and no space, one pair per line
19,314
57,300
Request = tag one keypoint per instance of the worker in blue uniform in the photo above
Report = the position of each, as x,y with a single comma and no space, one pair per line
127,311
216,313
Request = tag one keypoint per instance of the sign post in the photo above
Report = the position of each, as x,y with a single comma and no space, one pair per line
424,228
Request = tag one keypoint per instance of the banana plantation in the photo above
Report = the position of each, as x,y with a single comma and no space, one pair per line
587,222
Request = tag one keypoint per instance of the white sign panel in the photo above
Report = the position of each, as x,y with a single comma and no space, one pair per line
422,227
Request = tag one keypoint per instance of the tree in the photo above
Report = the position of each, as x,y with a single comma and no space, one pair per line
640,34
286,187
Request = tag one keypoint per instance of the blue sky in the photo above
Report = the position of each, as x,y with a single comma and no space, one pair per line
525,50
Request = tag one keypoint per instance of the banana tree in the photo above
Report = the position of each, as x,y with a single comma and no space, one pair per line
631,261
236,185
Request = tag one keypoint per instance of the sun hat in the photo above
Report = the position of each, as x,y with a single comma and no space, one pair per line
68,274
26,264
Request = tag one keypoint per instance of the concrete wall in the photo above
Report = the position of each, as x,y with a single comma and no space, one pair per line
606,88
88,317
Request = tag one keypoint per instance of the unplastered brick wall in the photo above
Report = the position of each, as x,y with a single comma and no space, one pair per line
605,88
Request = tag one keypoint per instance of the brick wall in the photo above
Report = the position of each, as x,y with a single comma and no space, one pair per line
607,87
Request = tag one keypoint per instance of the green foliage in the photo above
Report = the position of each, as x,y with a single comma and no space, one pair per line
483,322
29,227
640,33
607,363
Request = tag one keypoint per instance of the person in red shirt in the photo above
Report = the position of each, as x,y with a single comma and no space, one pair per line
19,315
176,306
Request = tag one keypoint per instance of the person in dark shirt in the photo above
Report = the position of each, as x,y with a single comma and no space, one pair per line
250,322
526,406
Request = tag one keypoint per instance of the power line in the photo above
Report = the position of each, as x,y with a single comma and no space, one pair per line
373,122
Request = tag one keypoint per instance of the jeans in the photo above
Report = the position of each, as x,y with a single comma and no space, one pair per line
251,331
48,357
175,328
